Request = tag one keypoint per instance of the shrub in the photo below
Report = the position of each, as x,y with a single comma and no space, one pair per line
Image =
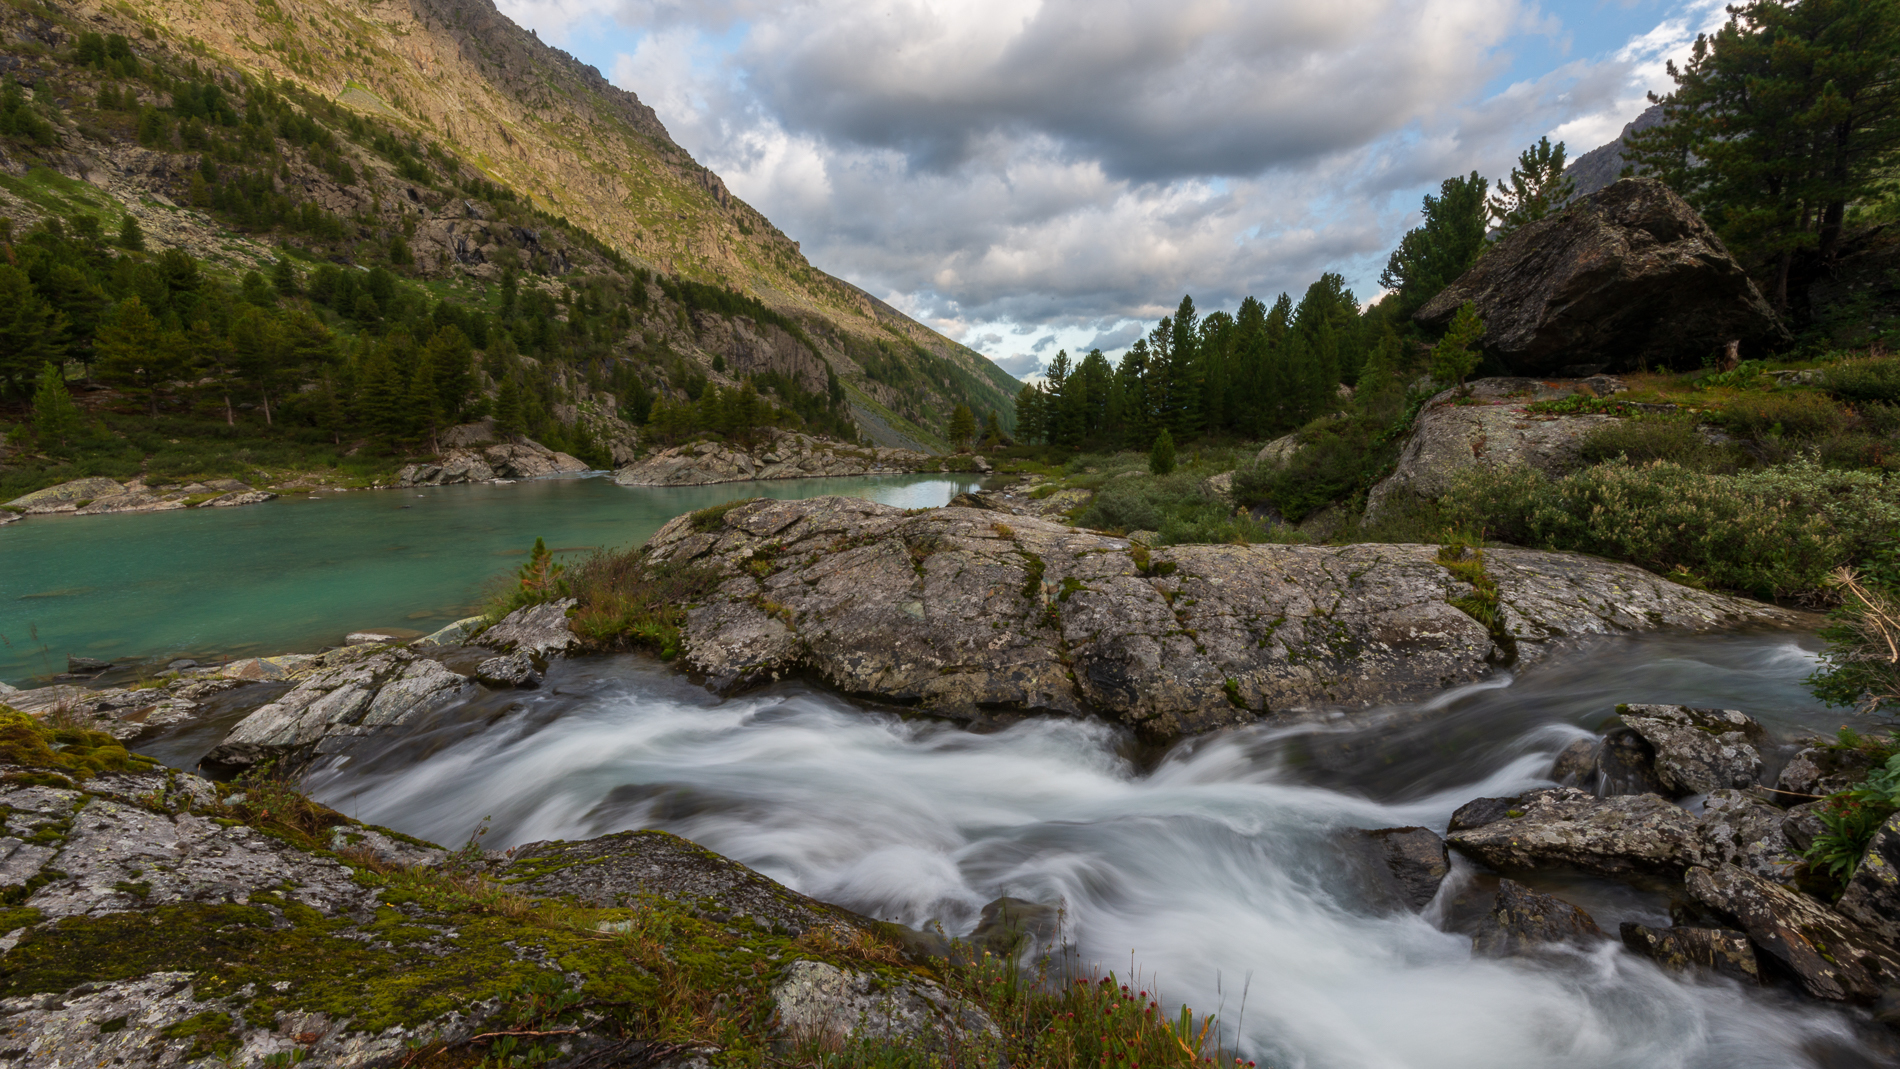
1803,415
1643,439
1322,472
1161,457
1865,379
1736,534
627,602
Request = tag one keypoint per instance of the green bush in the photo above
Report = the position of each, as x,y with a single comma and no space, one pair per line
1766,533
1803,416
1866,379
1335,465
1646,438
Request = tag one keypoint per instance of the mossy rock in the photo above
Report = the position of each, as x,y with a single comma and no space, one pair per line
78,753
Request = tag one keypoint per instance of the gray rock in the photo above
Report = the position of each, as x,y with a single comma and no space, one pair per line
9,516
1576,764
1485,428
1397,868
537,630
129,501
339,702
78,665
823,1003
619,870
1699,750
785,455
457,467
1720,950
1626,764
1014,928
527,459
379,637
241,497
1819,771
1525,921
508,670
1873,893
66,496
1802,825
1279,451
1626,277
455,634
1831,955
940,610
1743,831
1623,836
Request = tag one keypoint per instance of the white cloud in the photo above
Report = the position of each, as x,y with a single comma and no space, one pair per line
1074,166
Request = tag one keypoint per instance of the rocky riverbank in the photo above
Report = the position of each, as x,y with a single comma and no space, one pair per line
158,919
100,496
779,455
970,613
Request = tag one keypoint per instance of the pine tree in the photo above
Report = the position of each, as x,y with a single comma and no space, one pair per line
452,357
381,396
1029,414
1161,454
56,419
134,356
30,331
511,419
131,234
1537,187
992,430
1184,378
1445,245
1456,356
283,278
962,427
423,402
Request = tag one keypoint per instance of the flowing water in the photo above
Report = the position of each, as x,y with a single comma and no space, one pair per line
1211,870
299,573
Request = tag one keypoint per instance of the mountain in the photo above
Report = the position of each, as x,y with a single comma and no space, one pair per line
489,151
1603,165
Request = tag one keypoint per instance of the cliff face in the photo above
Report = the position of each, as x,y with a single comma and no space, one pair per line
457,78
1602,165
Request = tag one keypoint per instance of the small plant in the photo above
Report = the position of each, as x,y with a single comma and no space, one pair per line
1161,455
1454,357
1851,819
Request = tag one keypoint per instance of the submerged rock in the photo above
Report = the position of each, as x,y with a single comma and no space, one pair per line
958,613
1831,955
1397,868
1524,920
1720,950
1012,927
1623,836
1624,278
1699,750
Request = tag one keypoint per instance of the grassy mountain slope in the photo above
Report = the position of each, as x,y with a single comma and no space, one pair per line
488,150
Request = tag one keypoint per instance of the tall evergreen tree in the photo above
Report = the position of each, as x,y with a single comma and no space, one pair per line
56,420
1030,427
134,356
30,332
962,427
1443,246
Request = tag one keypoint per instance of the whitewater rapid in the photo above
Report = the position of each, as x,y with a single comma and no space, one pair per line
1210,871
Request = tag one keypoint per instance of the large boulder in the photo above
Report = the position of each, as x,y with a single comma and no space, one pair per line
961,614
536,630
1522,920
1831,955
829,1005
1487,426
1743,831
1699,750
1624,836
1624,278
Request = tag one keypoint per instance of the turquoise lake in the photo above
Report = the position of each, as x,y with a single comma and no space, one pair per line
297,574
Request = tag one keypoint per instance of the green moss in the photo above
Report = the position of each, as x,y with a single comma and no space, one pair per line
1070,586
210,1034
26,741
1032,574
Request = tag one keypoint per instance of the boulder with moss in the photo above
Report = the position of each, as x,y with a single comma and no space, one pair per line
152,918
968,614
777,455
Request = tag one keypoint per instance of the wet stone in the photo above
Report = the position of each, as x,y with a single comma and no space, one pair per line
1396,868
1720,950
1524,921
1699,750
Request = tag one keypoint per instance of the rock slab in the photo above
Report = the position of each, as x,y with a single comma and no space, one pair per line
1524,921
956,612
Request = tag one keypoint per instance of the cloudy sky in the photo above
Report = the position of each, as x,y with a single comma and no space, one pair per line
1028,175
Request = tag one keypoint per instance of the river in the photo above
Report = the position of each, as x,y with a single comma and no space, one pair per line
299,573
1209,870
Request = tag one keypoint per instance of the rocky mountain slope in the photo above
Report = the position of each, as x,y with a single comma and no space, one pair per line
487,149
